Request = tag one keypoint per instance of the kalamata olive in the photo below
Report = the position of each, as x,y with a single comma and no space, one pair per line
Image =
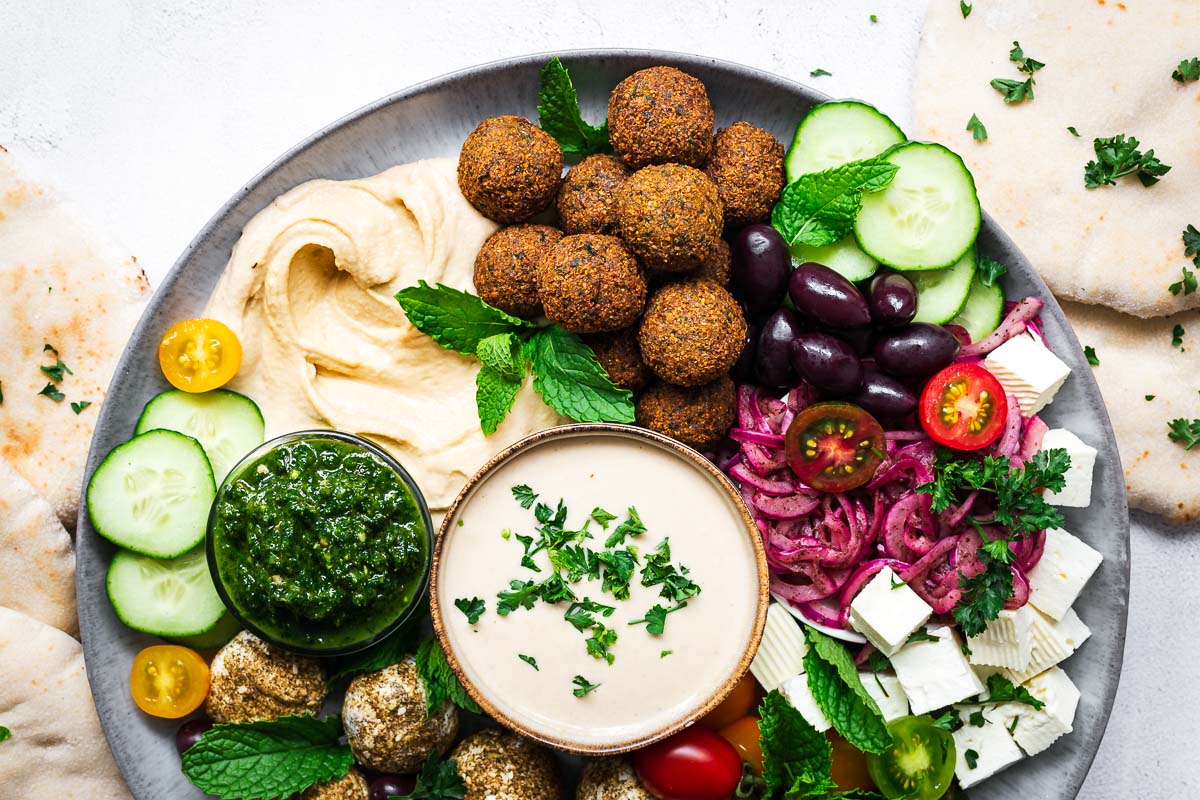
893,300
827,362
761,265
916,351
385,786
743,369
190,732
825,296
773,357
883,395
861,339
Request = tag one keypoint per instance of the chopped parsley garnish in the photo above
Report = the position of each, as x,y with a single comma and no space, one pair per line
1073,132
676,586
1188,70
656,618
600,641
1015,91
602,517
978,132
473,608
874,18
977,719
530,660
1118,156
965,8
524,495
1002,690
580,613
57,371
972,758
1186,285
51,391
1150,397
1,393
1024,63
523,595
949,721
583,686
1177,336
1185,432
983,595
1191,244
921,635
631,527
1089,353
989,271
665,653
438,780
818,72
49,348
618,571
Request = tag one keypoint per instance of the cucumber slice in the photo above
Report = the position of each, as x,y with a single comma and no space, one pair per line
152,494
832,134
226,628
983,312
927,217
941,293
166,598
842,257
227,425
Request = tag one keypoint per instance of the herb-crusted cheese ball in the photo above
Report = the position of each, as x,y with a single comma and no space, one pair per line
509,169
619,354
506,267
352,786
670,216
747,166
590,283
251,680
698,416
660,115
587,201
386,726
692,333
498,765
611,779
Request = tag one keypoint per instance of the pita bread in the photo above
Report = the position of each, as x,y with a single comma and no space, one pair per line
57,748
1136,360
66,285
1108,71
36,559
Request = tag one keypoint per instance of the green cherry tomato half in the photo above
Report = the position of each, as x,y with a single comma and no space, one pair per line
920,763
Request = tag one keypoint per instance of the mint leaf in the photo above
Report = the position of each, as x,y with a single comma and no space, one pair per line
819,208
472,608
502,353
833,679
559,116
989,271
269,759
978,132
494,397
571,381
797,759
455,319
441,684
438,780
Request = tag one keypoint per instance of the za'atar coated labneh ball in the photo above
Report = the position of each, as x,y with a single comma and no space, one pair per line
351,786
660,115
498,765
611,778
252,680
509,169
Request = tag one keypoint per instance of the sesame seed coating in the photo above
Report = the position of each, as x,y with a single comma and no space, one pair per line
498,765
670,215
587,201
509,169
660,115
506,267
619,354
692,332
698,416
591,283
251,680
352,786
747,166
610,778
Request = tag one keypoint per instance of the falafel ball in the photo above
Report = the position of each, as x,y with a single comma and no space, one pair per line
587,201
692,332
610,778
590,283
747,166
619,354
251,680
698,416
352,786
506,267
661,115
498,765
509,169
386,725
670,216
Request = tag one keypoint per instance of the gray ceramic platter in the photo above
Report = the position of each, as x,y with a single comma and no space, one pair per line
431,120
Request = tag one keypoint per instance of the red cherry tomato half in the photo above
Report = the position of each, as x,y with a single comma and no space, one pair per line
834,447
694,764
963,407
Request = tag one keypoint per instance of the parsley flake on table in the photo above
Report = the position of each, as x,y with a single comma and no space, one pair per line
819,208
51,391
438,780
1188,70
5,733
1177,336
78,408
818,72
965,8
473,608
1072,131
1015,91
559,114
874,18
1184,432
1186,285
1150,397
583,686
1191,244
530,660
1089,353
665,653
57,371
1118,156
978,132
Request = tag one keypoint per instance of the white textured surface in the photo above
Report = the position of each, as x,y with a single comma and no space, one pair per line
151,115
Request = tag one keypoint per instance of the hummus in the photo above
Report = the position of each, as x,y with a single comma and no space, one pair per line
309,290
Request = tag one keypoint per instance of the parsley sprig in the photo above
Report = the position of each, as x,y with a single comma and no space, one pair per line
438,780
1188,70
1118,156
1002,690
1015,91
1184,432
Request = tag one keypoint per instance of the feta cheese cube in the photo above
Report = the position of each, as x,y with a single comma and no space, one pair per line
1038,729
796,690
1072,629
935,673
887,693
1005,641
1051,643
887,611
992,745
781,653
1028,371
1066,566
1077,493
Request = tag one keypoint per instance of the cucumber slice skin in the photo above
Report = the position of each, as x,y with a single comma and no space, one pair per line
842,257
860,129
121,519
878,241
226,628
228,425
164,597
983,312
941,294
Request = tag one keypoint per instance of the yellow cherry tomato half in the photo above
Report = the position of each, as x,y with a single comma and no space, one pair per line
197,355
743,735
736,705
168,681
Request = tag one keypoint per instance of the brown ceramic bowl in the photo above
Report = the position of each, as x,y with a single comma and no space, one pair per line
720,640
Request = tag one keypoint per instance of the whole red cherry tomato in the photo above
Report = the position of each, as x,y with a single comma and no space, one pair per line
694,764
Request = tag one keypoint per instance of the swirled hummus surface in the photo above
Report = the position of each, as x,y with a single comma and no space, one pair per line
309,290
